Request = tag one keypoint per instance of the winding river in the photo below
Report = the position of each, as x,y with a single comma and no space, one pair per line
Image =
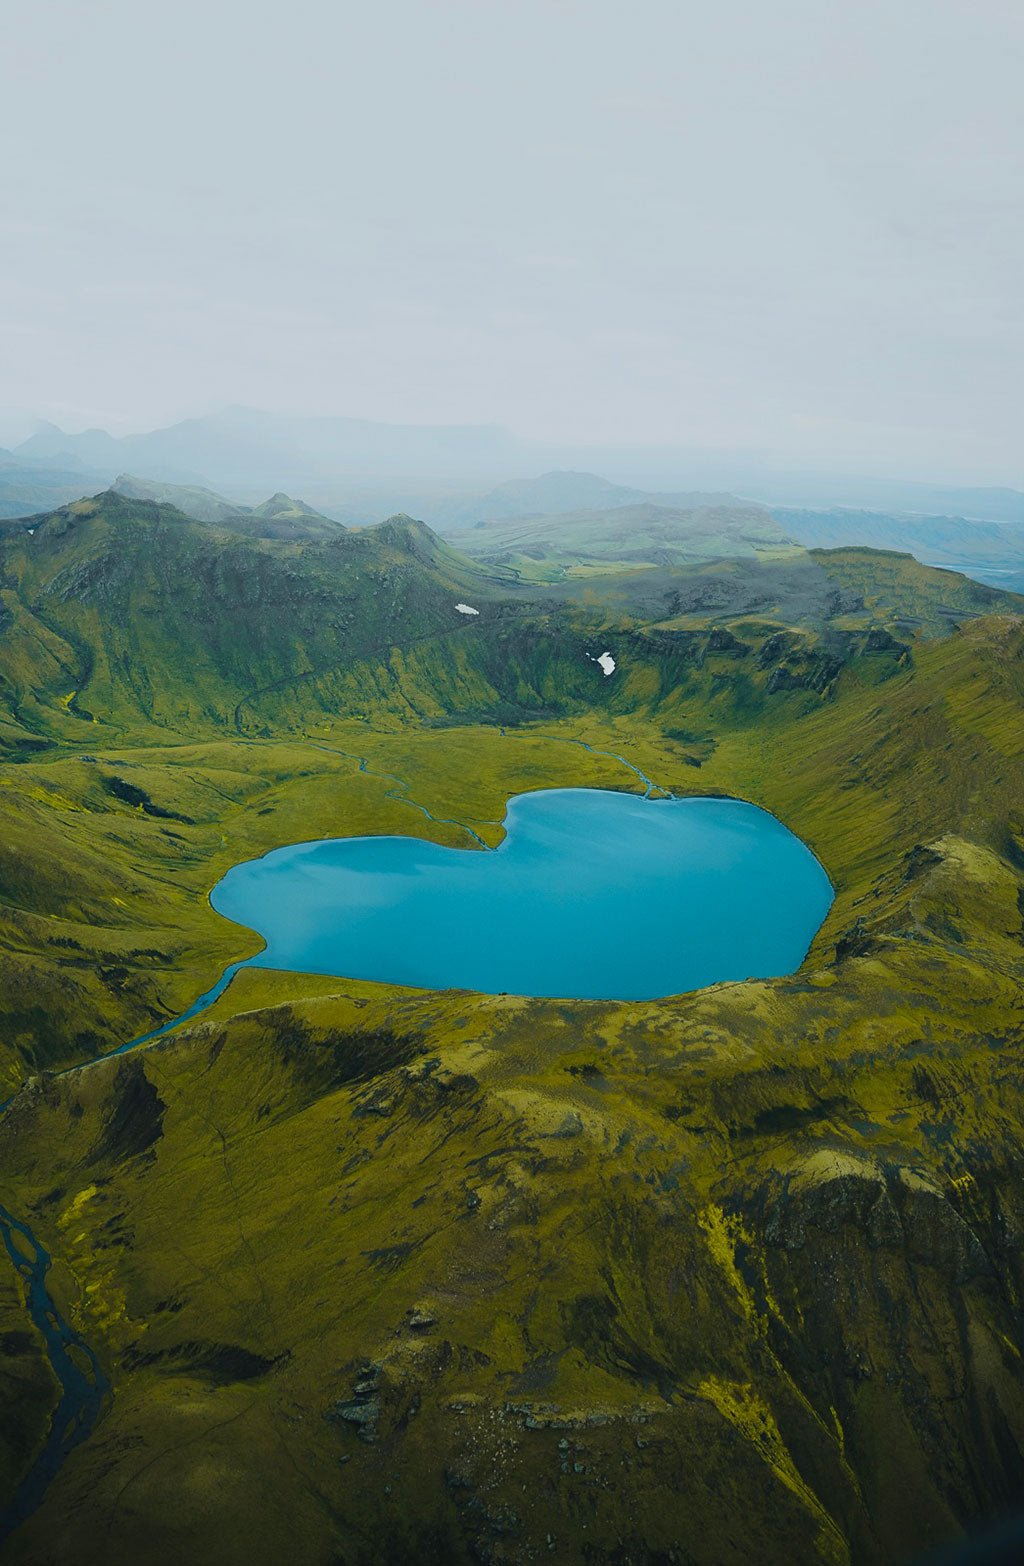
84,1387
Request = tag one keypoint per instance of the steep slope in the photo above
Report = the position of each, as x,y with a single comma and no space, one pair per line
918,596
283,506
283,517
125,618
123,612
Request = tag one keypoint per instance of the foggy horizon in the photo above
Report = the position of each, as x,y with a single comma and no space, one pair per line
794,237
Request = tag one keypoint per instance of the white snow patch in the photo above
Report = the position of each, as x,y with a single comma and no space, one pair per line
31,531
466,609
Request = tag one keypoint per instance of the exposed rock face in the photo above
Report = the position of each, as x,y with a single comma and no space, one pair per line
134,1120
786,679
879,639
362,1411
857,941
774,647
722,640
906,1331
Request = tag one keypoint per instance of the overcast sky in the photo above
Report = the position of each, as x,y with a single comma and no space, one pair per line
795,227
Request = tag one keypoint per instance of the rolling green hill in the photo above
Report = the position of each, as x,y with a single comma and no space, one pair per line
392,1275
551,547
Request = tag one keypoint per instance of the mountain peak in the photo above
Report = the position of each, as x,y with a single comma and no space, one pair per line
281,506
408,534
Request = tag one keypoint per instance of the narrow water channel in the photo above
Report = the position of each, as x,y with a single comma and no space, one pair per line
83,1386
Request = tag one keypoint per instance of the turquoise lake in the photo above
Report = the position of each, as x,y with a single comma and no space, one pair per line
592,894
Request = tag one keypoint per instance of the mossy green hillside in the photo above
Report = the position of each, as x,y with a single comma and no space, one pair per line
107,856
386,1275
108,849
122,615
682,1276
123,620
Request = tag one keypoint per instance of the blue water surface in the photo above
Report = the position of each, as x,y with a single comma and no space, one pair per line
591,894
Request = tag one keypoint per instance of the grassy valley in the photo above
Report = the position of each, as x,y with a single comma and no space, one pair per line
390,1275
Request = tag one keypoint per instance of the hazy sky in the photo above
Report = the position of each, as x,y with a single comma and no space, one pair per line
795,226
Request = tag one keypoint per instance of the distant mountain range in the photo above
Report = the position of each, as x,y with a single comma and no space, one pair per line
820,491
549,495
359,470
575,519
27,486
538,527
990,552
563,491
245,449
